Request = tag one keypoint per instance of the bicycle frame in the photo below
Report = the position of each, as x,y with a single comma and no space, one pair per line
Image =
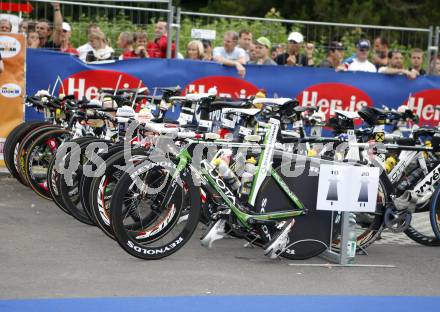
209,176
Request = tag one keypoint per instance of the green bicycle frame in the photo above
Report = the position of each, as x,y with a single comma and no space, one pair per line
209,176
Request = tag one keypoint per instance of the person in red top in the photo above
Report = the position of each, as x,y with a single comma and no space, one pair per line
66,45
158,48
140,47
125,42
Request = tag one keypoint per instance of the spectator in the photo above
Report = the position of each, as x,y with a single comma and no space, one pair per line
140,46
5,25
262,50
2,66
125,43
101,51
158,48
417,61
195,50
245,42
230,54
23,27
335,56
437,66
274,52
44,30
292,57
360,61
380,55
33,40
252,53
395,66
207,50
86,48
66,45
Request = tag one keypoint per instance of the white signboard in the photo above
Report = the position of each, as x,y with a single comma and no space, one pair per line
347,188
207,34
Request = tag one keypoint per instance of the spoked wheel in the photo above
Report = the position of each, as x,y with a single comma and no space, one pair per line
368,225
38,159
22,150
149,214
13,141
434,215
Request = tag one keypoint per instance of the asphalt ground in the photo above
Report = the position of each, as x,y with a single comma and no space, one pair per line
44,253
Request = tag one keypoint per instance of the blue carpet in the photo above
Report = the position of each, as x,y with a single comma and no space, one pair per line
228,304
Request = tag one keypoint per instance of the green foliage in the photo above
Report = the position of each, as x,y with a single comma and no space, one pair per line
395,12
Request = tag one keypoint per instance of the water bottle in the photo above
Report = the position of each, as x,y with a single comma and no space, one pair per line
248,175
226,156
239,164
390,162
352,238
227,174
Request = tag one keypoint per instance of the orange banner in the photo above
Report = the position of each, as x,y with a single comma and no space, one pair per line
12,84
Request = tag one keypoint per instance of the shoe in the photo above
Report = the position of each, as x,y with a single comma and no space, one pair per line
409,200
215,232
278,243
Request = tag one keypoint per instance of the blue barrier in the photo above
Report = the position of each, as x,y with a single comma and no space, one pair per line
312,86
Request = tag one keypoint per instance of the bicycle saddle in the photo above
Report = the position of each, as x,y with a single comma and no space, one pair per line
228,104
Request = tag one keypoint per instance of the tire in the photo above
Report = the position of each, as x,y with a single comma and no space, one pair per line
12,143
38,158
165,235
69,194
85,182
421,230
28,139
53,176
434,216
101,190
12,136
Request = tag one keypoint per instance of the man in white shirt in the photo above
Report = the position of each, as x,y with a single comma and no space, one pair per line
360,62
230,54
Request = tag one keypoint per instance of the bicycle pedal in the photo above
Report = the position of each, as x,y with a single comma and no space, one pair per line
278,243
215,232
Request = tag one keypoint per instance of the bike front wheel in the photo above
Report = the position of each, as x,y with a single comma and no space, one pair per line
150,214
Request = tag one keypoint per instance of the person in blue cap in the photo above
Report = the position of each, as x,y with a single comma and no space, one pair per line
360,62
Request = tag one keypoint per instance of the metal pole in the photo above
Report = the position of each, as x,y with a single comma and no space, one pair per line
102,5
287,21
170,29
428,54
177,26
344,238
436,44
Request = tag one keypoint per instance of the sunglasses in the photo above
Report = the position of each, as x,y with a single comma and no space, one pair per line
364,49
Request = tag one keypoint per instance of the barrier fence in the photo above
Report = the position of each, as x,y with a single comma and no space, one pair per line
117,16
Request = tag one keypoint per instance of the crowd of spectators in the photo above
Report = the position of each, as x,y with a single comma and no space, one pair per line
238,49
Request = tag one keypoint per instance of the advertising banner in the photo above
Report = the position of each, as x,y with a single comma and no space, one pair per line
312,86
12,84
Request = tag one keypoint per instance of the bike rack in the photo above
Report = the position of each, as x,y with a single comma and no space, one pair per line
341,258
